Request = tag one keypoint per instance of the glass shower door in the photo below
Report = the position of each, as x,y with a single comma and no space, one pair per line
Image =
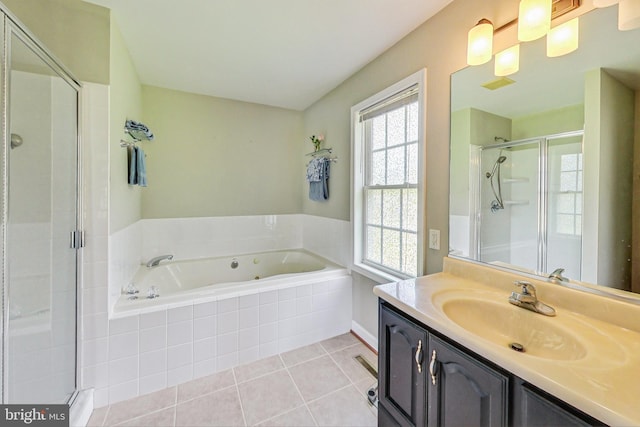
42,212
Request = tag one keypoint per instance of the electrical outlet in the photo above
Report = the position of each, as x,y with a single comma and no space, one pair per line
434,239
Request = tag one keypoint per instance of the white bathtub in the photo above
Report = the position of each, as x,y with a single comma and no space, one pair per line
184,282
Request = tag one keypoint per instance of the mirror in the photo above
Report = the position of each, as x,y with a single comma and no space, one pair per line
542,168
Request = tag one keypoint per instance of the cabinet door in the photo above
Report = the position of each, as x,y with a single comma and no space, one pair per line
532,409
462,391
401,386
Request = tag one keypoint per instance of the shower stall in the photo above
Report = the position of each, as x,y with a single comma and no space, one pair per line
527,203
40,222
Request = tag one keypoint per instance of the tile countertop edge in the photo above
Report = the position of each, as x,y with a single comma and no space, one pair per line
613,406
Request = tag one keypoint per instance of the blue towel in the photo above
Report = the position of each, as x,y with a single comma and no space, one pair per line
131,157
137,167
319,190
138,130
141,168
315,169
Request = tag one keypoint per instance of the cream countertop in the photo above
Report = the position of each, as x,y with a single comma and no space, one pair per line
604,382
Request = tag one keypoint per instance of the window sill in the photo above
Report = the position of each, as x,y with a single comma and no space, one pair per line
376,275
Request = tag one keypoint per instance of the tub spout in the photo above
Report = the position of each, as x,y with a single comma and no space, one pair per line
153,262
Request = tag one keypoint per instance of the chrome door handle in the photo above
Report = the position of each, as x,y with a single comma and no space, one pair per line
432,368
418,356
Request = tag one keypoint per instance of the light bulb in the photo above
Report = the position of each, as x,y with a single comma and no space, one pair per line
480,43
508,61
534,19
563,39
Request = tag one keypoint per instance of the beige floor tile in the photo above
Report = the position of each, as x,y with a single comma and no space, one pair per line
317,378
343,408
363,386
97,417
268,396
345,358
339,342
139,406
303,354
162,418
299,417
257,369
205,385
221,408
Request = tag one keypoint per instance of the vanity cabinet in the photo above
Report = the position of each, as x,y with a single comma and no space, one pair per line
463,391
401,371
426,380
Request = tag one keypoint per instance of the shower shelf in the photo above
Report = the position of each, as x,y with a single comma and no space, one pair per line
514,180
516,202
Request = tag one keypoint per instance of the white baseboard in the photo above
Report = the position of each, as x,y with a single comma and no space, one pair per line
364,334
81,409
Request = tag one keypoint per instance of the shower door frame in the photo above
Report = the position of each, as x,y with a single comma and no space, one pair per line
542,199
11,27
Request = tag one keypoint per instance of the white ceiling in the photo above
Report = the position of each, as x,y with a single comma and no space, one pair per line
285,53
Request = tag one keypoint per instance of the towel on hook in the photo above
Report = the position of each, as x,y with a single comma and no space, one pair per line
319,190
137,128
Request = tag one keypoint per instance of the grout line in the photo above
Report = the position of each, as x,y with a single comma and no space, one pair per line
235,381
104,420
304,402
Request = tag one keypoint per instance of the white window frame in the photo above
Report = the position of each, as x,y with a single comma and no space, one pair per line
358,178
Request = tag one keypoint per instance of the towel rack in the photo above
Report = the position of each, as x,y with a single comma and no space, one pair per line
125,144
324,152
138,133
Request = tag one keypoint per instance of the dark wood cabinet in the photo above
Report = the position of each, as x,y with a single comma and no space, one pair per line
401,379
424,379
533,408
463,391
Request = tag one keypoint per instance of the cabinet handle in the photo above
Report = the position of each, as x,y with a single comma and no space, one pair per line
419,356
432,367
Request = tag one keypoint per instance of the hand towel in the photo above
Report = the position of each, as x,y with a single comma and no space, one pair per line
132,161
319,190
141,168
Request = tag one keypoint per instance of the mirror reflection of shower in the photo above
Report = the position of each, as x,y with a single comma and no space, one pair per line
498,202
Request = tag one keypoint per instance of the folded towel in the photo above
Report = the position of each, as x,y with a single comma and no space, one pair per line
138,130
141,168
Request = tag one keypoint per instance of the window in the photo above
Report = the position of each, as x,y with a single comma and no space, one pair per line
569,199
387,194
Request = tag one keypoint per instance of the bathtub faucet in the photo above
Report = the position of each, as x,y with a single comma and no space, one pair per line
153,262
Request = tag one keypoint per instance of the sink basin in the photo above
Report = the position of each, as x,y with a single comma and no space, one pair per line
504,324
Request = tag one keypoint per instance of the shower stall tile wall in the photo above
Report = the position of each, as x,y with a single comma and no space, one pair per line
151,351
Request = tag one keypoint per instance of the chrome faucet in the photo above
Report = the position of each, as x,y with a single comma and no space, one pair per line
529,300
557,276
153,262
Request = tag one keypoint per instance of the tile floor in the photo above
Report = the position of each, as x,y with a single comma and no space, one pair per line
318,385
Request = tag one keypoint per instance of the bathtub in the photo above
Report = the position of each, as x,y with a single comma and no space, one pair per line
184,282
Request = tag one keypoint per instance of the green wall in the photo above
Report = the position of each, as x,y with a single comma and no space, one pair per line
217,157
125,102
549,122
77,33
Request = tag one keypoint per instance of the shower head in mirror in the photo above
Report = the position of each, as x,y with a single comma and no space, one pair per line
16,140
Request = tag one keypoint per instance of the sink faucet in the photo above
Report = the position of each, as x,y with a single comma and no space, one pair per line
153,262
557,276
528,299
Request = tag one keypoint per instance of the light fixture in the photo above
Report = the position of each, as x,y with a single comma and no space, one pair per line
563,39
534,19
480,43
507,61
604,3
628,15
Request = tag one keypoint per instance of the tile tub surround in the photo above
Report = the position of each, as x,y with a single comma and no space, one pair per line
319,384
151,351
